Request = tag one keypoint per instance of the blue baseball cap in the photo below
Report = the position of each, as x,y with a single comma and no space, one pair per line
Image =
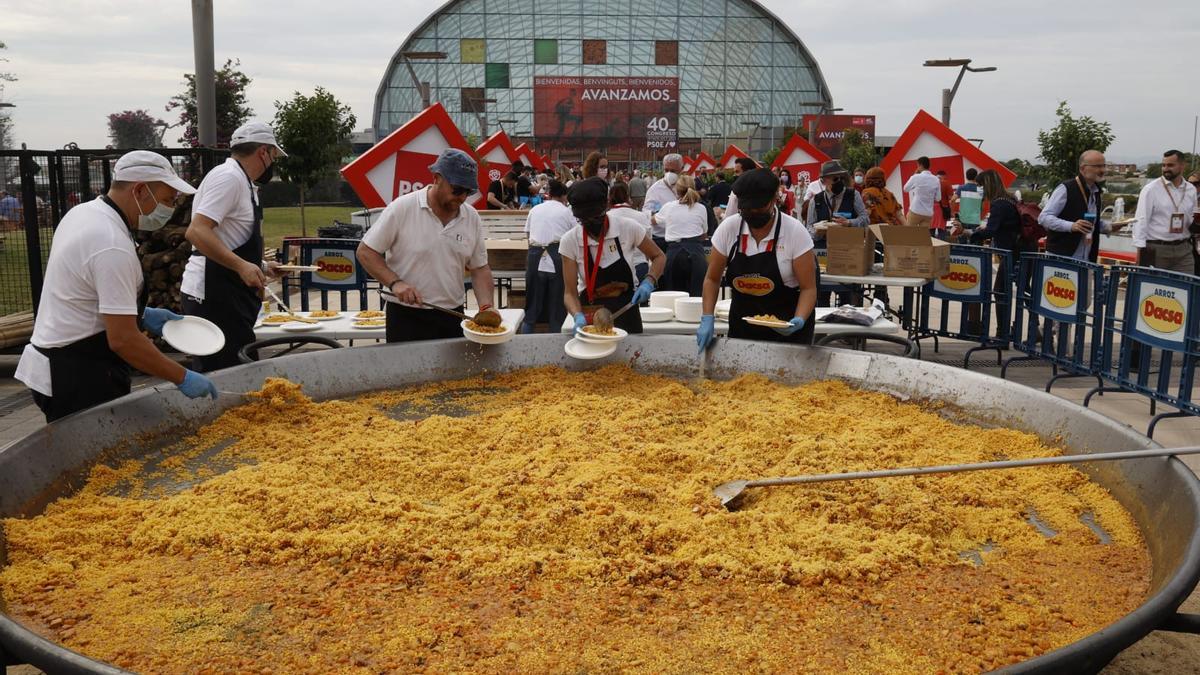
458,168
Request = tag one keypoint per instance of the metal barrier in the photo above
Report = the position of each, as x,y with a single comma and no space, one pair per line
1161,311
978,288
339,270
1058,315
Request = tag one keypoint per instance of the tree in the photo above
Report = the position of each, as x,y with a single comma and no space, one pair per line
232,110
1070,138
857,151
315,130
135,129
6,140
769,156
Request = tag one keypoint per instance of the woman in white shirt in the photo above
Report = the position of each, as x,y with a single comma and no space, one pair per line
597,252
686,223
766,257
618,205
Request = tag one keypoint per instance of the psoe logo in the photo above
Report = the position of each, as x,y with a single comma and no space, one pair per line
1162,312
1060,291
334,267
753,284
961,276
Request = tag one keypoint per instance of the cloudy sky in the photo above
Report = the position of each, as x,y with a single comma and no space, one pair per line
79,60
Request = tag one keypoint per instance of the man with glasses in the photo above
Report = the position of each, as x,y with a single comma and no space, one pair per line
90,319
1072,214
1164,215
225,276
419,247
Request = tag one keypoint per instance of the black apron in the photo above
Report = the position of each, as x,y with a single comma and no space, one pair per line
621,272
88,372
229,302
686,266
748,276
543,291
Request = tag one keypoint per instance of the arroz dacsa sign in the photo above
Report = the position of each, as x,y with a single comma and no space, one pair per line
1162,313
1059,293
335,267
963,281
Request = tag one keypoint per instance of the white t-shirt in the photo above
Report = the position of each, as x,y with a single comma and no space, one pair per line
226,196
923,190
682,221
656,195
92,270
425,255
794,241
731,205
629,231
640,216
546,224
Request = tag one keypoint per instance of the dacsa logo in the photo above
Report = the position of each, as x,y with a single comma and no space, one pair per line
334,267
961,276
753,284
1162,311
1060,290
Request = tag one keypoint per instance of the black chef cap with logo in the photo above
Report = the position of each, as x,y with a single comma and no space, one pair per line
755,189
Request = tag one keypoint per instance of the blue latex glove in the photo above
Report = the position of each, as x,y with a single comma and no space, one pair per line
704,334
153,319
642,294
580,320
794,325
195,385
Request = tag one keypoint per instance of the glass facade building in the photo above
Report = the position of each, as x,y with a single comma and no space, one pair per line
641,75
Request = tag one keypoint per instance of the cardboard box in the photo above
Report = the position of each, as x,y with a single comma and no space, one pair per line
912,252
851,251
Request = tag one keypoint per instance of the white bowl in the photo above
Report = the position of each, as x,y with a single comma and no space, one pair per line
666,299
194,335
300,327
688,310
603,339
488,338
588,351
656,314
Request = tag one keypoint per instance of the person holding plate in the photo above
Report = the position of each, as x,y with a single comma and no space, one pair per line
598,252
766,257
88,331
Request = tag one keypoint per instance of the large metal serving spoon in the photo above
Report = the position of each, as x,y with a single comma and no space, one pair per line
603,319
488,317
732,492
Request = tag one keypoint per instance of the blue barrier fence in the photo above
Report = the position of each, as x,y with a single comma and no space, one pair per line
1059,314
982,293
340,273
1159,315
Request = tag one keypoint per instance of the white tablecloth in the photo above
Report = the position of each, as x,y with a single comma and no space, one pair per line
342,328
880,327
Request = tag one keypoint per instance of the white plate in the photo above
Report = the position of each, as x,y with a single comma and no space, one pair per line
724,305
765,324
488,338
656,314
621,333
379,327
308,315
194,335
587,351
300,327
689,310
298,268
666,299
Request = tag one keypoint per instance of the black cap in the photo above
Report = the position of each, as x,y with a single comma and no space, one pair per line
755,189
588,193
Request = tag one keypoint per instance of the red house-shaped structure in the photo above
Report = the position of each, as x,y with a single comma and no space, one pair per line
732,154
802,160
530,157
703,162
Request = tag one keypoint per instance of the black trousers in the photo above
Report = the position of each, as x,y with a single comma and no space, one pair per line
409,324
238,334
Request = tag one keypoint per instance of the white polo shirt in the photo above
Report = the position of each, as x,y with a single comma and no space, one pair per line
546,224
794,241
641,217
227,197
92,270
629,231
656,195
682,221
426,255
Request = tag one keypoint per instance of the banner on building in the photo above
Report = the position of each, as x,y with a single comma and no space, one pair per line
830,129
619,111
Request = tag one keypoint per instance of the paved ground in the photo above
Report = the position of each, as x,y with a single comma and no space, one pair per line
1157,653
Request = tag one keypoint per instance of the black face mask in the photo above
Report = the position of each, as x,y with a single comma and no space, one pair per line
839,184
266,175
757,220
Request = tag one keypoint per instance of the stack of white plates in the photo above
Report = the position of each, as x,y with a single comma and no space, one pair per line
666,299
587,350
688,310
656,314
722,311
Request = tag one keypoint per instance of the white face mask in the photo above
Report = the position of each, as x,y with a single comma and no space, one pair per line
602,172
156,219
670,177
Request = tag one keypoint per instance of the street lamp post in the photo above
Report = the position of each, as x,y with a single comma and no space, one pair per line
422,87
751,134
964,66
205,78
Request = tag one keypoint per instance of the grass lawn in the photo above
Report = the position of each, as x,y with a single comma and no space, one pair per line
285,221
15,295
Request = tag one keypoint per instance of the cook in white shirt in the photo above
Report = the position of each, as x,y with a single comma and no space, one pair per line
545,226
429,237
924,190
686,223
619,204
598,252
88,328
660,192
1164,214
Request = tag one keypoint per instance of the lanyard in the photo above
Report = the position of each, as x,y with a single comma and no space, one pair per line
589,280
1167,188
1086,197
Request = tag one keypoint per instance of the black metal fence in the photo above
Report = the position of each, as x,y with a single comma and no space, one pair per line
39,187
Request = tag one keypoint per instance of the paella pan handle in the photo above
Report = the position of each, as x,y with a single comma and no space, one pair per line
1182,623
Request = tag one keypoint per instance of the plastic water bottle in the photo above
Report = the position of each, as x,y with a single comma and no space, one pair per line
1119,209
